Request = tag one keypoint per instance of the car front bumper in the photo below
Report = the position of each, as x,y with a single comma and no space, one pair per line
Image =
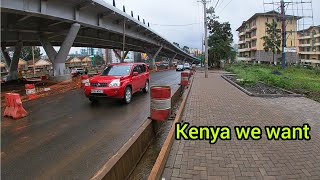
108,92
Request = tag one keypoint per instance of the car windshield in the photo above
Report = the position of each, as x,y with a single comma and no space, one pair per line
186,64
179,66
116,71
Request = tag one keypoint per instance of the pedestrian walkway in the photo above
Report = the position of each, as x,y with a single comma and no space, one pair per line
215,102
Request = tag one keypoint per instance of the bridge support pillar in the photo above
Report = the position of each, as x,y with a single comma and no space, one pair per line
59,58
184,60
14,62
153,58
120,57
171,60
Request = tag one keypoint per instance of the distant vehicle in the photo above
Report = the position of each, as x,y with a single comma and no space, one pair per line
180,67
77,71
166,64
118,81
186,66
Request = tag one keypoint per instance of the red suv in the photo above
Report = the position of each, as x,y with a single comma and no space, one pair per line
118,81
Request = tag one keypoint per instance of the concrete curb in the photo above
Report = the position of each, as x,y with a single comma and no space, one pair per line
121,165
159,165
262,95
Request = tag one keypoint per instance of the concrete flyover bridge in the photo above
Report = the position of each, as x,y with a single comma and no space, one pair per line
76,23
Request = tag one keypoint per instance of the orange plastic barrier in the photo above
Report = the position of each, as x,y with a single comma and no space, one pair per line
31,91
9,106
14,107
84,79
160,102
185,78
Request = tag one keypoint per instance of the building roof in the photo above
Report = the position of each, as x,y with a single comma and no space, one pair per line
311,27
73,60
39,62
43,62
270,14
2,64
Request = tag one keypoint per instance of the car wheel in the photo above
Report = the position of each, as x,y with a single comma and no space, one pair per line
127,95
93,100
146,87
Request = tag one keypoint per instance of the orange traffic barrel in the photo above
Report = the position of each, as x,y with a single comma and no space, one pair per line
160,102
84,79
31,91
184,78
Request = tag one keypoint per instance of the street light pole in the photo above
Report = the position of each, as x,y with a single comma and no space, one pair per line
205,37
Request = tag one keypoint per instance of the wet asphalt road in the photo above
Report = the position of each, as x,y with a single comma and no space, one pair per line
67,137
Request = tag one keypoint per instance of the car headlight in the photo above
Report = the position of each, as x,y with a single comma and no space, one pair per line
115,83
86,82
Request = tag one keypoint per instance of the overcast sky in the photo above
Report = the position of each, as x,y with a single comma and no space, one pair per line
161,13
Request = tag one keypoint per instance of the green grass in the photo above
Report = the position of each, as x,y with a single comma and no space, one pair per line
297,79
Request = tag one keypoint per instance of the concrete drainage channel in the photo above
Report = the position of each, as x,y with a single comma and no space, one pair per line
136,158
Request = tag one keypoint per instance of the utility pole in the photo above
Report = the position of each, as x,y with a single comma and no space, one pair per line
284,34
202,43
34,66
205,37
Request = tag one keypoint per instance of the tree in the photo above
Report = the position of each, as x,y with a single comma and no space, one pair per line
186,49
176,44
98,60
220,39
272,40
26,53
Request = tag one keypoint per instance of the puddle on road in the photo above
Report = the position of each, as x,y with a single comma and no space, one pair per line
146,163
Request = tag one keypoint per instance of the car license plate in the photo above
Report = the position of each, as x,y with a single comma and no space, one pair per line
97,91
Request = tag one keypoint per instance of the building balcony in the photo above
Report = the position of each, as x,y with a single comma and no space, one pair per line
248,30
304,37
244,59
244,50
253,48
253,27
248,39
304,45
242,33
313,61
317,44
254,38
242,42
317,35
310,52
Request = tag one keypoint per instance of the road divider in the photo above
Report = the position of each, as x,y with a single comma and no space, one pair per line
160,163
122,164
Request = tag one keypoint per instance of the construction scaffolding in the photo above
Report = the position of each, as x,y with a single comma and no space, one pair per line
286,11
300,8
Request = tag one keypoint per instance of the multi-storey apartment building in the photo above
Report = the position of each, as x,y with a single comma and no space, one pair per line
309,46
250,44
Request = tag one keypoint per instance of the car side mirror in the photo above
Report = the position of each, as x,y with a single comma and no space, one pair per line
135,73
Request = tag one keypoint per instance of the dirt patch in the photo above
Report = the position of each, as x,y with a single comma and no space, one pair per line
18,86
258,88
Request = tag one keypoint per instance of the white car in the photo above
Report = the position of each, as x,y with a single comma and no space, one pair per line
180,67
186,66
77,71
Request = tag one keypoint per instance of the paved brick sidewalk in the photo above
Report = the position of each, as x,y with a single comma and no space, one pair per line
215,102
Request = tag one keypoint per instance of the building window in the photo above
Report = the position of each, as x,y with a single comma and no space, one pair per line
291,43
